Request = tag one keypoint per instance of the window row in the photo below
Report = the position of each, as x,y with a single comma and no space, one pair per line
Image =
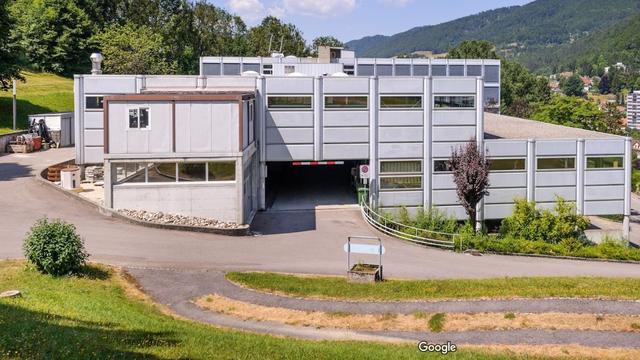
280,102
551,163
144,172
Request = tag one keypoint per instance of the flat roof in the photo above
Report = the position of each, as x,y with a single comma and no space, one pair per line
510,127
183,95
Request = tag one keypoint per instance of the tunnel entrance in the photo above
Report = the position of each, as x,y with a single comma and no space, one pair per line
307,185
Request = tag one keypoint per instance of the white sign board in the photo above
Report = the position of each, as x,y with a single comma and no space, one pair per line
364,171
364,248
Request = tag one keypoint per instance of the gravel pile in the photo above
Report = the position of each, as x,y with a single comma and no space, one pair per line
173,219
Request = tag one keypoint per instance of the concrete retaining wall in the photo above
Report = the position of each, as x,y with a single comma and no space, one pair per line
6,138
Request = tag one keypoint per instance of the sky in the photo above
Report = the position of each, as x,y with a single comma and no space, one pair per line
353,19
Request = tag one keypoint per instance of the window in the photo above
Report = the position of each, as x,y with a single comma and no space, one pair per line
221,170
474,70
491,96
348,69
400,167
211,69
161,172
365,70
400,102
289,102
556,163
403,70
442,166
289,69
192,172
604,162
231,69
401,182
506,164
420,70
346,102
438,70
454,101
456,70
138,118
129,172
384,70
251,67
267,69
491,73
94,102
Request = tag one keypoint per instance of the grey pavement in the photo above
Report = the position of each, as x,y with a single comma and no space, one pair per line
178,288
306,241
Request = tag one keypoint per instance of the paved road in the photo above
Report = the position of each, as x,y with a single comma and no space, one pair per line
292,241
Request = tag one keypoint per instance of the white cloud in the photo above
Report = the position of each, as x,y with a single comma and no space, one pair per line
322,8
277,11
398,3
251,10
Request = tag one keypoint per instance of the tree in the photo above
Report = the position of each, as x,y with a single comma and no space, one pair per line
217,32
605,84
9,68
53,34
473,49
131,49
471,176
272,32
579,113
326,41
573,86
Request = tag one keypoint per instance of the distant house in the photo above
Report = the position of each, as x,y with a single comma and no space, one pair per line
633,110
587,83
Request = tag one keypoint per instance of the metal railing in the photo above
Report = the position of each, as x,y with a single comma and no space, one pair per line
407,232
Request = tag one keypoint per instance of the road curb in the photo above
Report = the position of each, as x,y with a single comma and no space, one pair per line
41,180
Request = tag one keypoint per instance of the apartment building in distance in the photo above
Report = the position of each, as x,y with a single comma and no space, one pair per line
633,109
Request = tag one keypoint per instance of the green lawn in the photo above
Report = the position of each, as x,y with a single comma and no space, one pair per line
91,317
40,93
389,290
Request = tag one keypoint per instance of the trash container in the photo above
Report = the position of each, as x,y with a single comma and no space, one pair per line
363,195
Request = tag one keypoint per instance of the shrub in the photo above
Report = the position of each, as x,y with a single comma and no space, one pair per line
529,223
54,247
428,219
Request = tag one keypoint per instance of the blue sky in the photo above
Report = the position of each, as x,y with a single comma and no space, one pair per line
353,19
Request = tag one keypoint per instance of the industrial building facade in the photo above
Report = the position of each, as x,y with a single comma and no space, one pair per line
203,145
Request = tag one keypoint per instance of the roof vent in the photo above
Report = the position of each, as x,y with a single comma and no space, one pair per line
96,63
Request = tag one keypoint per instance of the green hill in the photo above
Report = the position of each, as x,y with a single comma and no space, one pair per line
517,31
40,93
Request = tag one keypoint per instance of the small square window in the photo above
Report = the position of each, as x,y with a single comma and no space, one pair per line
138,118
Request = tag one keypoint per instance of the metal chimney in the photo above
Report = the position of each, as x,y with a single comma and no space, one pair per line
96,64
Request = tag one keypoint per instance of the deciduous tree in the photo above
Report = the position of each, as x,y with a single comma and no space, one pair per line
471,176
9,68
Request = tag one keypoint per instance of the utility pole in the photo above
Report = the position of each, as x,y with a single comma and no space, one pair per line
14,105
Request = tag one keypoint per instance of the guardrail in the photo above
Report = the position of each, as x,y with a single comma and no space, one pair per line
406,232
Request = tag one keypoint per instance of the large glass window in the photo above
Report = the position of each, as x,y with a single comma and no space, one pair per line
231,69
604,162
456,70
491,73
192,172
400,167
442,166
129,172
438,70
94,102
474,70
384,70
556,163
491,96
403,70
289,102
347,102
138,118
454,101
161,172
211,69
400,102
251,67
506,164
365,69
401,182
222,170
420,70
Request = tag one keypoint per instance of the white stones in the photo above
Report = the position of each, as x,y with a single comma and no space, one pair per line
174,219
10,294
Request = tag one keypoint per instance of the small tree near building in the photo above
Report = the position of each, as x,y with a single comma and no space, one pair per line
471,176
573,86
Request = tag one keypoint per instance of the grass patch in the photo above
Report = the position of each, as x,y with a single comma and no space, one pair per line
420,315
510,316
635,326
91,316
436,322
40,93
390,290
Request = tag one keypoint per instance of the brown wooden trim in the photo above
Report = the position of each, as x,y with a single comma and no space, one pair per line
173,124
105,124
241,123
179,97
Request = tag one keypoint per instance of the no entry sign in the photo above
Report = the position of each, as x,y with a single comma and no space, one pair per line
364,171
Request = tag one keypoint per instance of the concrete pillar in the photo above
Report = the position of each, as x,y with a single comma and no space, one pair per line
480,141
373,141
627,188
531,170
260,118
109,179
427,162
78,117
318,104
580,165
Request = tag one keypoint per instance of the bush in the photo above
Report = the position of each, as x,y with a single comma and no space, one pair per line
529,223
54,247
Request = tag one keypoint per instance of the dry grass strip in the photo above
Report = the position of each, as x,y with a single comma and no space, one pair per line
570,351
419,321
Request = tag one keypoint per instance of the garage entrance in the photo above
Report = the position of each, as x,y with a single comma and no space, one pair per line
306,185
